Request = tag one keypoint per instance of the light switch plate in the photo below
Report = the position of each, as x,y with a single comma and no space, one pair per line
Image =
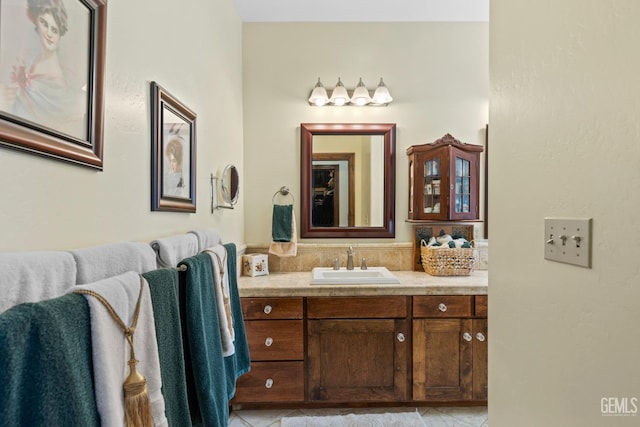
568,240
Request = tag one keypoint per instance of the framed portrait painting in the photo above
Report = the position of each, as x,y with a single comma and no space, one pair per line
51,78
173,158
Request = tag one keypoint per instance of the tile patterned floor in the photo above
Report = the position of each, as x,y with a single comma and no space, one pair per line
434,417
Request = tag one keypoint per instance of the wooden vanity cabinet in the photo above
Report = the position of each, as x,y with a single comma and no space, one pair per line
449,348
365,350
275,334
358,349
444,180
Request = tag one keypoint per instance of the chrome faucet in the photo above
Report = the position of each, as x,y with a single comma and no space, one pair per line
350,258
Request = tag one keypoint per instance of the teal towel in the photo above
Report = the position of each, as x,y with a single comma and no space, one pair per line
240,362
163,286
281,223
204,363
46,374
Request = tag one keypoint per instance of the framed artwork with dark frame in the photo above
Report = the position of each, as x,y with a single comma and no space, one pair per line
51,78
173,159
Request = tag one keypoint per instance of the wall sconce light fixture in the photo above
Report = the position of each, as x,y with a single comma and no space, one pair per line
340,95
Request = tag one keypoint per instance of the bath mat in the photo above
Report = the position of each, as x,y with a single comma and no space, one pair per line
388,419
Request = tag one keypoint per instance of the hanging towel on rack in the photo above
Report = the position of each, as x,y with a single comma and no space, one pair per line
45,354
171,250
34,276
111,350
283,231
206,238
100,262
164,289
240,362
218,256
206,381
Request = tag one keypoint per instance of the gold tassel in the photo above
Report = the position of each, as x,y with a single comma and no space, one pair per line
137,407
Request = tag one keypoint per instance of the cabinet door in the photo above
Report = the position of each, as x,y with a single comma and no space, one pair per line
464,186
442,359
357,360
480,360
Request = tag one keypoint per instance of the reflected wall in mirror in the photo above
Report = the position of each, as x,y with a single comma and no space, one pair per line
347,180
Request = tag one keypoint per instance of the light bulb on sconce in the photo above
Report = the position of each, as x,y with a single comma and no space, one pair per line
319,95
381,95
360,95
340,95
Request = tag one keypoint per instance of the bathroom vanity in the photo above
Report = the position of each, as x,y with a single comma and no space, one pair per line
423,340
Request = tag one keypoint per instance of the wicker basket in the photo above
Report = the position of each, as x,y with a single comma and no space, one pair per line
447,261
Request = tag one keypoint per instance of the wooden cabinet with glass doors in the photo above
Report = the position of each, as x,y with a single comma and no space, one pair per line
444,180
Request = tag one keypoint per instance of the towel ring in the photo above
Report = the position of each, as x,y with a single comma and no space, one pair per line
284,191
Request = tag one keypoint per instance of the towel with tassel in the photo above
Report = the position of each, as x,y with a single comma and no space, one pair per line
283,232
114,364
238,363
218,256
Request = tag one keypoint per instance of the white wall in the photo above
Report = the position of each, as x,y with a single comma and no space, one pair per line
564,141
436,72
193,50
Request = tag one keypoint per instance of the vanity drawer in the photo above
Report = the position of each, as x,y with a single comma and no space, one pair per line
356,307
482,305
275,339
442,306
272,308
271,382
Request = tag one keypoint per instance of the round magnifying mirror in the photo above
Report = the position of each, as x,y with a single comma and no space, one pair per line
230,185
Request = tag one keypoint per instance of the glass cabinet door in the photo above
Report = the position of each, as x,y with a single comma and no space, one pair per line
432,186
462,192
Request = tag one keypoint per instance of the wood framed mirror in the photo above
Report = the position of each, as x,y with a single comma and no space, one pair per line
347,180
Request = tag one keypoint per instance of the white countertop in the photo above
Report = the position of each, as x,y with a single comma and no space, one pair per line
411,283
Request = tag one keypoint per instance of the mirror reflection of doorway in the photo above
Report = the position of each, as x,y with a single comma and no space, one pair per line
333,190
326,196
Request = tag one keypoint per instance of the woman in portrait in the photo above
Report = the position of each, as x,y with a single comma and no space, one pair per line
41,88
173,180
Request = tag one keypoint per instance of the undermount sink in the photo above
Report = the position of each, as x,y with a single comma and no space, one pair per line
372,275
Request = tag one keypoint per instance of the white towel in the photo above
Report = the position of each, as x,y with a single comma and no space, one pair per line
286,249
100,262
171,250
110,348
34,276
218,256
206,238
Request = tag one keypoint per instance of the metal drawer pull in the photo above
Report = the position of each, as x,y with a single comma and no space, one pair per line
267,309
467,336
442,307
400,337
268,341
480,336
268,383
